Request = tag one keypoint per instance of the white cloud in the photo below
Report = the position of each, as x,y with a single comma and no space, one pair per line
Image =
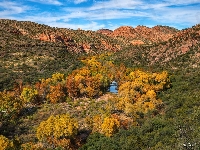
181,2
79,1
116,4
12,8
48,2
88,26
161,12
156,11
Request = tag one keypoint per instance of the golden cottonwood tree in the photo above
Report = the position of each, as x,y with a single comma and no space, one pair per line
139,92
52,89
10,106
56,94
57,129
110,126
91,80
106,125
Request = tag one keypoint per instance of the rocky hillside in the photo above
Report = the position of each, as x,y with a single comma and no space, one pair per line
141,34
74,40
182,50
183,43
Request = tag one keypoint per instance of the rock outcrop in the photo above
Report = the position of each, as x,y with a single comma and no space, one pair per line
141,34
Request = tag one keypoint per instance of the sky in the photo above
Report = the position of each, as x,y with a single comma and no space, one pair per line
98,14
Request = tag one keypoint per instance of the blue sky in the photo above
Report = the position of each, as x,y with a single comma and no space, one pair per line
97,14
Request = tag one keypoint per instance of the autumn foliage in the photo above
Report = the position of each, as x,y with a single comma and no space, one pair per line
91,80
10,106
139,91
29,95
57,129
52,89
137,94
110,126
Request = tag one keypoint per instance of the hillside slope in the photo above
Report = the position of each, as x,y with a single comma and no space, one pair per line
141,34
180,51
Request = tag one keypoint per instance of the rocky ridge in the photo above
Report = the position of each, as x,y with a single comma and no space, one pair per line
141,34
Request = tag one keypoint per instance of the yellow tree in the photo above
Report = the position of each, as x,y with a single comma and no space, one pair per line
57,129
110,126
10,106
91,80
138,92
29,94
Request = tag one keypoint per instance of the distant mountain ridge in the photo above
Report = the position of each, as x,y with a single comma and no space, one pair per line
142,34
182,50
74,40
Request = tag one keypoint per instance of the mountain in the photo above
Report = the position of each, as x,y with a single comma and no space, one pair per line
74,40
179,51
141,34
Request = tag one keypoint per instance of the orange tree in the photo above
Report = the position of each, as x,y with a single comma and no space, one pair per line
52,89
91,80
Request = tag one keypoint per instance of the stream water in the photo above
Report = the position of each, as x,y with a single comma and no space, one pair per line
113,87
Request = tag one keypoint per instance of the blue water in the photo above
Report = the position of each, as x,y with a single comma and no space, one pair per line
113,87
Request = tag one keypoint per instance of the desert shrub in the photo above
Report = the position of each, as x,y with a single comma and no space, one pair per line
98,141
32,146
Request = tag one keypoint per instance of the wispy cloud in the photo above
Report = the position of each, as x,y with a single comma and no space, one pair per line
48,2
169,11
86,26
116,4
66,13
12,8
79,1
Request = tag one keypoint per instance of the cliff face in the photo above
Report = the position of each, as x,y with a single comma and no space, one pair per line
141,34
182,50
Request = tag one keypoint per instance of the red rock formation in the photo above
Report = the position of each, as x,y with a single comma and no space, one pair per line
141,33
43,37
125,31
105,31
